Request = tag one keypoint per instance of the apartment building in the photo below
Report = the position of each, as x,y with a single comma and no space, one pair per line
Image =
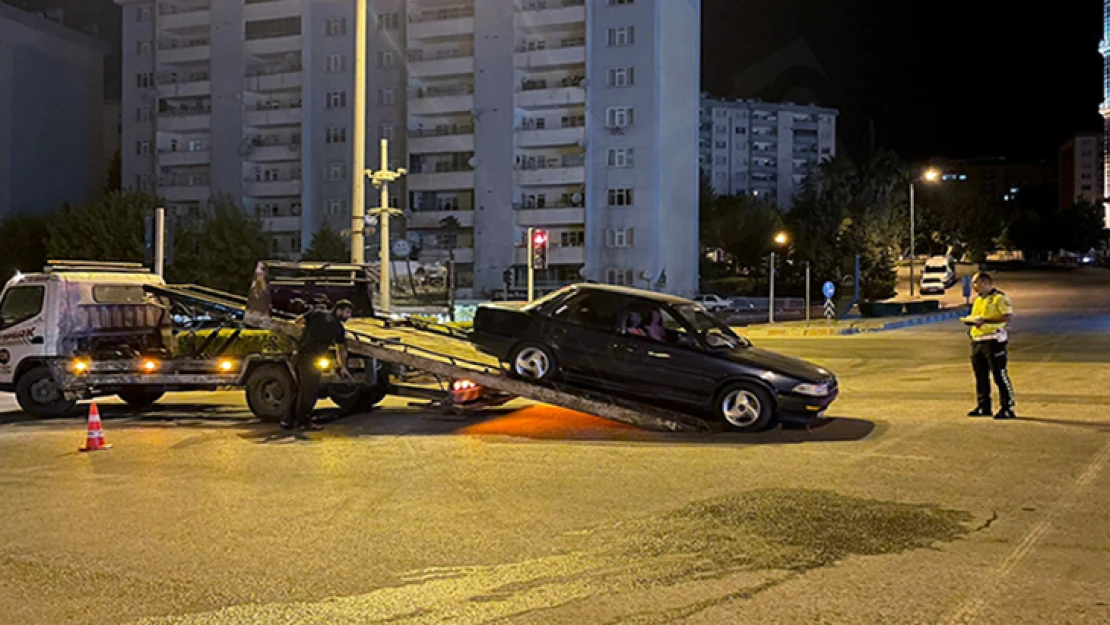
1081,170
51,114
577,117
762,148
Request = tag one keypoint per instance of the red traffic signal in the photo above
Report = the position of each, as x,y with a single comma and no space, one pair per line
539,238
539,250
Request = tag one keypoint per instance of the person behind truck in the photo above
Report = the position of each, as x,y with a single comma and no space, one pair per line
320,330
990,314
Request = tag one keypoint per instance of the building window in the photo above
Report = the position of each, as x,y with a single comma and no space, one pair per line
387,96
386,59
621,157
335,63
614,3
144,114
336,207
572,238
385,131
389,21
336,28
622,76
740,130
143,14
142,182
619,277
624,36
335,135
336,171
619,116
620,197
142,47
144,80
142,148
620,237
337,100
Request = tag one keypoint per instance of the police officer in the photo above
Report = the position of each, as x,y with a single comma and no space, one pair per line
990,314
320,330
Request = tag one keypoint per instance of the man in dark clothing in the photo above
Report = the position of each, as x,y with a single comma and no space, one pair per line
320,330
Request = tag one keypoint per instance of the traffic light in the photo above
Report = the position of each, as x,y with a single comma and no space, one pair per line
507,278
538,247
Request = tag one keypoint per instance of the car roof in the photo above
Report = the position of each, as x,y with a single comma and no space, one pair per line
662,298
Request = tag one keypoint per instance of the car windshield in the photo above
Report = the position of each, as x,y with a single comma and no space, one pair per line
546,299
713,332
935,269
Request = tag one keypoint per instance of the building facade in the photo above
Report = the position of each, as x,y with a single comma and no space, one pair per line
51,114
991,180
1081,171
1104,48
578,117
761,148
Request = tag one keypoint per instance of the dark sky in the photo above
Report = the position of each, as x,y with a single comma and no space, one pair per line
939,79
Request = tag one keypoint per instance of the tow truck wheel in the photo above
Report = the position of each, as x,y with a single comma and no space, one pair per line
138,397
271,392
745,408
359,399
38,395
533,362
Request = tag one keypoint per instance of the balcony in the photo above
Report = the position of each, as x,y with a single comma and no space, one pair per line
544,14
190,87
441,181
281,224
442,101
274,153
277,81
441,23
180,158
184,188
254,10
567,216
272,188
174,51
442,63
433,141
273,45
559,96
184,16
551,176
548,138
431,219
552,58
273,117
184,122
556,255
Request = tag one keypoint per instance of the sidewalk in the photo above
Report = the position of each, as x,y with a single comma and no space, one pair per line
847,327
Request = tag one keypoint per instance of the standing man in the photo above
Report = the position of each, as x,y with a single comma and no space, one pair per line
990,314
320,330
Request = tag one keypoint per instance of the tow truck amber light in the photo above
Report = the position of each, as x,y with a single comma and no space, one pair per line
149,365
463,385
323,363
80,366
227,366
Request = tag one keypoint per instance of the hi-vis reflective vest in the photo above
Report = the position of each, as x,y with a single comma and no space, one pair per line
991,306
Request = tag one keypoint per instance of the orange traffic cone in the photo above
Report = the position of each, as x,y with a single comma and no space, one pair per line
95,439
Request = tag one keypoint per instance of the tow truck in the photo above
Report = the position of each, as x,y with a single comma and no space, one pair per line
80,330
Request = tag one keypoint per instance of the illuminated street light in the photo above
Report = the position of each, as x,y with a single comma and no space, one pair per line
930,175
781,238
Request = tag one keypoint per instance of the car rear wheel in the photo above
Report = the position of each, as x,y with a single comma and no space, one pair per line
533,362
745,407
40,396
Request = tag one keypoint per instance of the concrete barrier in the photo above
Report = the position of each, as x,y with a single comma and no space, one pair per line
847,328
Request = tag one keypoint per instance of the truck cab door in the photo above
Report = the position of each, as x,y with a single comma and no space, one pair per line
22,327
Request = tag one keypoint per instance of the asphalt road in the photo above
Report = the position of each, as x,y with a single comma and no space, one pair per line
899,510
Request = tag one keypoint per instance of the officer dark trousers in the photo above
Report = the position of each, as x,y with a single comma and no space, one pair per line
989,358
308,383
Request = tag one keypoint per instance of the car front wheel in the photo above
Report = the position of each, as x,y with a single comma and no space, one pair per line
533,362
745,407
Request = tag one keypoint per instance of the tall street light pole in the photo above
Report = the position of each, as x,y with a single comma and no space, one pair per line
931,175
383,212
780,240
358,139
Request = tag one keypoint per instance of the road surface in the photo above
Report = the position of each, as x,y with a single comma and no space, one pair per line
899,510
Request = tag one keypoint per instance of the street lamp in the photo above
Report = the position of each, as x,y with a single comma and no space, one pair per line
930,175
781,239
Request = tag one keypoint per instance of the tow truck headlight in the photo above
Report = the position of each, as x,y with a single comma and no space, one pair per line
813,390
81,366
323,364
148,365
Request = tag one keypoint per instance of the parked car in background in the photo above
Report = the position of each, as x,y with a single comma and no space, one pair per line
713,303
655,348
939,274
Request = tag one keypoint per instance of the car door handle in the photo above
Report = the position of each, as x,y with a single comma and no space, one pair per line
624,347
662,355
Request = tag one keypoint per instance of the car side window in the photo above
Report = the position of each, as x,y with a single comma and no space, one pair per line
20,304
594,310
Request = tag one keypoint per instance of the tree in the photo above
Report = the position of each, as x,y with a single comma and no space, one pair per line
328,246
220,249
114,181
23,241
111,229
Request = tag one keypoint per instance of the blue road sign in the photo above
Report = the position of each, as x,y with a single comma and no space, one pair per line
829,290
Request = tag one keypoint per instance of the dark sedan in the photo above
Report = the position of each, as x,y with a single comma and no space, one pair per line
654,348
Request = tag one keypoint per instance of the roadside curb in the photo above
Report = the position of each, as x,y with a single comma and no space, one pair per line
849,328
